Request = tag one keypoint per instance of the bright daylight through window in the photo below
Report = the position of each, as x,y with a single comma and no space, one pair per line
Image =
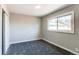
62,23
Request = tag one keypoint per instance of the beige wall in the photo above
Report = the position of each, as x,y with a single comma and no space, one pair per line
24,28
68,41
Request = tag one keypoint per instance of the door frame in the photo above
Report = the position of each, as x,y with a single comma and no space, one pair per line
3,41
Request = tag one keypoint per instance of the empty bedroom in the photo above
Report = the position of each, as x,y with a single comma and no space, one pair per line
39,29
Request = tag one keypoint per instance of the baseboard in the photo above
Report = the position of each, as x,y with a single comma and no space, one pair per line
23,41
61,47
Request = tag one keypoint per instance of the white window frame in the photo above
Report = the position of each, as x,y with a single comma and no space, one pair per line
64,14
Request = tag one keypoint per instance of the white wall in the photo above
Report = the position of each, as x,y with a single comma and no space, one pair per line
0,31
24,28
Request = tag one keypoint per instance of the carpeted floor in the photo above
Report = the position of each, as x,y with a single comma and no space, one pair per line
38,47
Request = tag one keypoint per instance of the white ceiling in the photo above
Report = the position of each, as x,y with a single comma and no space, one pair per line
29,9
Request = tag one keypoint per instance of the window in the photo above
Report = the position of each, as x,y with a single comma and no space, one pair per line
52,24
62,23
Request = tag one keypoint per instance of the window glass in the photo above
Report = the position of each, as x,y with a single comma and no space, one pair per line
64,22
52,24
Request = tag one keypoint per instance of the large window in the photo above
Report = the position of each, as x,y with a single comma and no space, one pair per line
62,23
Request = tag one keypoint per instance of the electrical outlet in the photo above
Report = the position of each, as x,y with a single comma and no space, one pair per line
76,49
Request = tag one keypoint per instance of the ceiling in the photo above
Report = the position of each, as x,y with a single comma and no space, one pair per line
30,9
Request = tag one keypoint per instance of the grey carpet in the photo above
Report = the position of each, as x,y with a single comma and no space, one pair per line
38,47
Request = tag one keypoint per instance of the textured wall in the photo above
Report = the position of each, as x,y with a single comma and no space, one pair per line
24,28
66,40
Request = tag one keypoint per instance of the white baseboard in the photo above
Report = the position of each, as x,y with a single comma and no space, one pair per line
62,47
23,41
